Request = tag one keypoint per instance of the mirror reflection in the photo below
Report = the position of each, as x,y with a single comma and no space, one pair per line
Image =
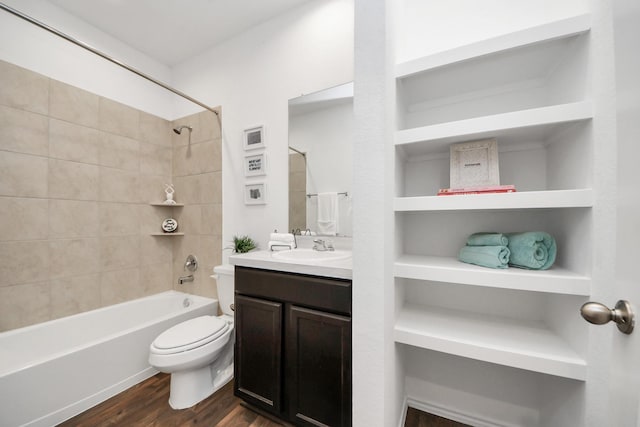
320,161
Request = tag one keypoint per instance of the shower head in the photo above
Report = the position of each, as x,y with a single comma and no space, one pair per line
179,129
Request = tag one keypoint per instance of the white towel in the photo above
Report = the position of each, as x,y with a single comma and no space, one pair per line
328,214
282,237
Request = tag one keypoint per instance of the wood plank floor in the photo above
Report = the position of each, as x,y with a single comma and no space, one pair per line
147,404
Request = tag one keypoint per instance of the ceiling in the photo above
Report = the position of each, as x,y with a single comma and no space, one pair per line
172,31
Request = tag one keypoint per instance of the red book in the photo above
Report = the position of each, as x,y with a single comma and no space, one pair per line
477,190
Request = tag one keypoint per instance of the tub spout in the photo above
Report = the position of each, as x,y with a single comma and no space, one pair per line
183,279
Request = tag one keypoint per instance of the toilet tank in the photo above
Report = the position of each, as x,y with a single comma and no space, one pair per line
224,279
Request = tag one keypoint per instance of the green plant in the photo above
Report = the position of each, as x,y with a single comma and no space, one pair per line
242,244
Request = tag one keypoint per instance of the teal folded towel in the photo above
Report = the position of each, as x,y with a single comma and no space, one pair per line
535,250
485,256
487,239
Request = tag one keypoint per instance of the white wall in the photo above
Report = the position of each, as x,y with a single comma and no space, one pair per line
252,77
38,50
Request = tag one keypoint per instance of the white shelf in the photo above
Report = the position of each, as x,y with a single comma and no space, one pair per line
535,123
450,270
547,32
504,341
581,198
165,205
167,234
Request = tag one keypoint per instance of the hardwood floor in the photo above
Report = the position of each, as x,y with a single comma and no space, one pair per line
147,404
416,418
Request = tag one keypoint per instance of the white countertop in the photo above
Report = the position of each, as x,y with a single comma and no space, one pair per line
339,269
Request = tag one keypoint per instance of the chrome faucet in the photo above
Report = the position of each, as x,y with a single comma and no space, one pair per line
183,279
322,246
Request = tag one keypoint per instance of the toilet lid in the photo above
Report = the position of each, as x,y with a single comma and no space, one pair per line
191,334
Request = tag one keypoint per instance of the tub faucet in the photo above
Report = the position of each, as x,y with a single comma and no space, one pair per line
183,279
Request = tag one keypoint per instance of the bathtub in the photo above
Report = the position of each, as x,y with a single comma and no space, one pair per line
51,371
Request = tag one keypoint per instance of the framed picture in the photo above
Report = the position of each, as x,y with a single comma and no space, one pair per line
255,164
474,164
254,138
255,194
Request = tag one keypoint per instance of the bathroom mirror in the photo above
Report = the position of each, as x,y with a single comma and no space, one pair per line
320,161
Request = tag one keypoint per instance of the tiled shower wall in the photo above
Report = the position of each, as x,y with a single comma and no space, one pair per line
77,174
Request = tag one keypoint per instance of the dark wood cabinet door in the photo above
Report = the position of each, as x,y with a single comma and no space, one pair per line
318,355
258,352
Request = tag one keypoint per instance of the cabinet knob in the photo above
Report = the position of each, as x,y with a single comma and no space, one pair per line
599,314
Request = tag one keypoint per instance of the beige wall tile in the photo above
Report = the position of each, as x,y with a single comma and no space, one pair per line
120,152
156,250
212,219
155,130
188,189
71,180
119,286
25,219
118,185
197,158
210,253
118,253
209,124
23,175
23,89
70,219
68,141
151,188
297,163
73,257
118,118
119,219
73,104
298,181
155,160
23,132
24,262
211,187
23,305
155,278
189,219
73,295
151,217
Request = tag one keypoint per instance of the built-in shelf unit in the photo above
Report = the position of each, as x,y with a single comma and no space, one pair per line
529,90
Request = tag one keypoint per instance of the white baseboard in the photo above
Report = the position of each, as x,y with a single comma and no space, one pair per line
451,414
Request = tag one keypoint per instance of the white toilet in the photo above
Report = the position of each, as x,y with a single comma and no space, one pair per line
198,353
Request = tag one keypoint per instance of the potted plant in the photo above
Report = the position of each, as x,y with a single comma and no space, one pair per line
243,244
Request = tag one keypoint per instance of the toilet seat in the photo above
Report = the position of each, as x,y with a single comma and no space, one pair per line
190,334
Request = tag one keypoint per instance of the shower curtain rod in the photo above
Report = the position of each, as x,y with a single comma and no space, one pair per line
103,55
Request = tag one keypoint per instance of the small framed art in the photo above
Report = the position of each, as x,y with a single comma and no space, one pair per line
255,194
255,164
474,164
254,138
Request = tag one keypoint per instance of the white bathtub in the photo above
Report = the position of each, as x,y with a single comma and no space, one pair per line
52,371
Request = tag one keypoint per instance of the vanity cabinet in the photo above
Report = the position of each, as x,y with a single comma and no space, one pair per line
293,345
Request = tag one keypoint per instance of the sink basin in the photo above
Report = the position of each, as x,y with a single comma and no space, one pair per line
309,255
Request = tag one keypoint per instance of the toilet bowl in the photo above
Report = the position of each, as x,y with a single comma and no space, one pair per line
198,353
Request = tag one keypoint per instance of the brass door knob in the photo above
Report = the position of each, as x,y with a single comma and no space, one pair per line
599,314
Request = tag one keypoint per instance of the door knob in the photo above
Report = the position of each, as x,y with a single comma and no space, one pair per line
599,314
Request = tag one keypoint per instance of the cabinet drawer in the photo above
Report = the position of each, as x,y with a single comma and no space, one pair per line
310,291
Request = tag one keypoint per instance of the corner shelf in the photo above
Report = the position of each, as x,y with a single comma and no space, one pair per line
450,270
165,205
504,341
167,234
